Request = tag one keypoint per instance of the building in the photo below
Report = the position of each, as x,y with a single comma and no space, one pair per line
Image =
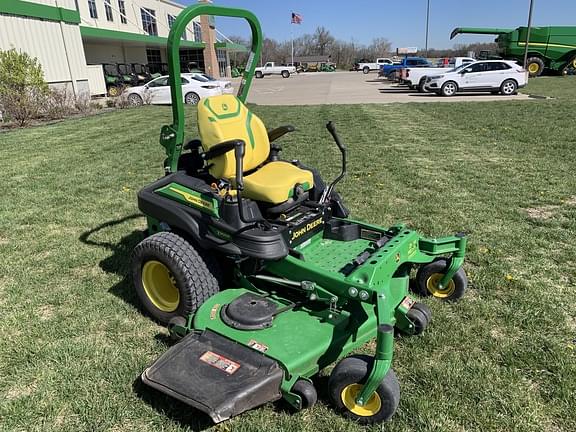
73,38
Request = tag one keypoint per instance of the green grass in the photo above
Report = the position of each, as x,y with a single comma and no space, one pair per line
504,358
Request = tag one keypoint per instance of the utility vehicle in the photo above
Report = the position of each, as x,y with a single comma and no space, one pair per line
270,68
255,266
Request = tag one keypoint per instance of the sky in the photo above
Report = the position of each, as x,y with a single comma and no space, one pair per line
401,22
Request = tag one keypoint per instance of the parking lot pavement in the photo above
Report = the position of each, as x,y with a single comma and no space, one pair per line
316,88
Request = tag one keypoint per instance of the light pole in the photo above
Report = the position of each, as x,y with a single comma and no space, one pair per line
427,25
528,33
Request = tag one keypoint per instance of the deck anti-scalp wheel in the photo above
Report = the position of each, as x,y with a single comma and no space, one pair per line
429,276
420,315
345,383
171,277
307,393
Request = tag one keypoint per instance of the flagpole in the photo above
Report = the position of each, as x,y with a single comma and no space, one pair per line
292,42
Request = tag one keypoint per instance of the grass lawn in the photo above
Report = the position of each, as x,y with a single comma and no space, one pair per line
74,341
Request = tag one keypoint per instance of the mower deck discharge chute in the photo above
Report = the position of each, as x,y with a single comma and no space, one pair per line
257,270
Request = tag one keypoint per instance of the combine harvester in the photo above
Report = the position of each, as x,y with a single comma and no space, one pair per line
552,48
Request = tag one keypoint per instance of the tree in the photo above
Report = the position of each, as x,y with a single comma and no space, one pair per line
22,86
323,40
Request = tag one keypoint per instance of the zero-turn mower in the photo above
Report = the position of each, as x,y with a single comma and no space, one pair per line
255,267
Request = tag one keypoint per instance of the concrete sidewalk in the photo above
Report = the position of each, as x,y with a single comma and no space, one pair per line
347,88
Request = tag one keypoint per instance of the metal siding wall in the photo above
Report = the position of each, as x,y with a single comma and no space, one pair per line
75,50
43,39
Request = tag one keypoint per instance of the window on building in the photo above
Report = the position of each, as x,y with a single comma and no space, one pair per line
197,31
222,61
154,60
191,59
108,10
171,21
122,10
149,21
92,9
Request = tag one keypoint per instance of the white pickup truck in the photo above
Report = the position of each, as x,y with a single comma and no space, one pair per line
271,69
367,67
415,78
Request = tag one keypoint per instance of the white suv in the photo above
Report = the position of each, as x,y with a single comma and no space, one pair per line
495,76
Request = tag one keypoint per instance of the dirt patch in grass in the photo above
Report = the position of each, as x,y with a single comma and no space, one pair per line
541,213
18,392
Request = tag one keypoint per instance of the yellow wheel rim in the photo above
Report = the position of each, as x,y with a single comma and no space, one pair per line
574,63
432,286
160,286
370,408
533,68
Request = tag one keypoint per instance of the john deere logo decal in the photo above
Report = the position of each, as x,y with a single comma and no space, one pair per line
225,107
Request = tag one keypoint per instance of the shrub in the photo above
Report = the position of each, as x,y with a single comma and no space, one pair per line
59,103
22,86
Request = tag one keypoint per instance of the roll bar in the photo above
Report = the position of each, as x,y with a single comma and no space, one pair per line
172,136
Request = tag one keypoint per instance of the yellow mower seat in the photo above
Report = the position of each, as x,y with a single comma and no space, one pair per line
224,118
274,182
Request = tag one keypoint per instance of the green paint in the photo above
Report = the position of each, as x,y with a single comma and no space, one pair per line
249,129
115,35
222,116
41,11
555,45
201,201
172,136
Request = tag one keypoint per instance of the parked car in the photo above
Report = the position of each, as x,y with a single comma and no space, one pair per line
392,72
270,68
157,91
415,77
495,76
370,66
226,86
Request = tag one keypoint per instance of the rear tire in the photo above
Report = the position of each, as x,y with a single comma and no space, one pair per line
449,88
366,70
508,87
535,66
259,74
285,74
171,277
191,98
421,85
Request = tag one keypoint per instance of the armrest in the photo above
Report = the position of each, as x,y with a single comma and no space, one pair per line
221,149
274,134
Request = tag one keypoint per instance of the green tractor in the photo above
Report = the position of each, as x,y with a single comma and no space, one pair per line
113,79
260,275
129,77
142,73
552,48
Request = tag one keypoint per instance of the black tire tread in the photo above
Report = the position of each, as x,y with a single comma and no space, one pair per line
355,369
181,257
439,266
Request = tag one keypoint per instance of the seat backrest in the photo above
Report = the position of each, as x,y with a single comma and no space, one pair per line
224,118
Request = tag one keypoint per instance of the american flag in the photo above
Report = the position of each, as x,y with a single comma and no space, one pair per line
296,18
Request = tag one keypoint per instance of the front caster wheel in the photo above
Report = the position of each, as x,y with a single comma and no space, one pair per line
420,315
307,393
346,382
430,275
